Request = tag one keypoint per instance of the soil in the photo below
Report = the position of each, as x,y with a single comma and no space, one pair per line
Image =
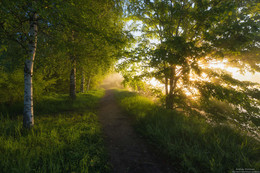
128,152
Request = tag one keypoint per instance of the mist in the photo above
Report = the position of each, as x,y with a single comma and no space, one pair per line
113,80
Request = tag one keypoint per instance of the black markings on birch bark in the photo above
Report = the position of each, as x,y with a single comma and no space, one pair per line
28,115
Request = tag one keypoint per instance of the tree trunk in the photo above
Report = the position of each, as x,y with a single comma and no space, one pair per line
73,73
73,79
82,82
28,116
88,86
166,85
170,96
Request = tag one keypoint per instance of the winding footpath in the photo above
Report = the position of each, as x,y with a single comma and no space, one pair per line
128,152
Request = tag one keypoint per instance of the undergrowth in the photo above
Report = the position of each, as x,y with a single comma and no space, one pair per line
191,144
66,137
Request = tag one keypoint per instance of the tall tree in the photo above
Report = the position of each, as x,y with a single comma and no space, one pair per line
28,120
21,26
96,27
193,31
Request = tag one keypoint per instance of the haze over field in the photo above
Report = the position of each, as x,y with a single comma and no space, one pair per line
113,80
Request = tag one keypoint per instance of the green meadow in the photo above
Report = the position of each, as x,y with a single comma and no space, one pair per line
190,143
66,137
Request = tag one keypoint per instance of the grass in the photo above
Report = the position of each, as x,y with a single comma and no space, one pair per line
66,137
191,144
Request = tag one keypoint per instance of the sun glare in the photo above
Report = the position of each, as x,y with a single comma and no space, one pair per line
192,93
155,83
223,65
217,64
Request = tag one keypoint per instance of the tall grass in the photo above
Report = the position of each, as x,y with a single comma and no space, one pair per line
189,141
66,138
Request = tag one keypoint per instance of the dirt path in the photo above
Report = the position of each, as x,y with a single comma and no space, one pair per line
128,152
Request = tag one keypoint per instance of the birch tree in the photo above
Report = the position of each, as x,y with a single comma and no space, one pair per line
20,25
28,120
68,35
24,14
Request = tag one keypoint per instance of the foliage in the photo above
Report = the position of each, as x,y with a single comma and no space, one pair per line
66,138
191,144
97,43
10,87
189,36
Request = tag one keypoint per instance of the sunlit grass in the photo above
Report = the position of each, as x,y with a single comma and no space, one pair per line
191,144
66,138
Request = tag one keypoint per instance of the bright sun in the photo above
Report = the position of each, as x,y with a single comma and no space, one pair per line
193,93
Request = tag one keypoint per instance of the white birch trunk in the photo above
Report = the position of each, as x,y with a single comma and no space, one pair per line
28,116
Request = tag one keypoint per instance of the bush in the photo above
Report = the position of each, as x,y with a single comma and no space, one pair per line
11,87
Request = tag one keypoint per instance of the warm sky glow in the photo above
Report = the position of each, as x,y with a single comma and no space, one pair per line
247,76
